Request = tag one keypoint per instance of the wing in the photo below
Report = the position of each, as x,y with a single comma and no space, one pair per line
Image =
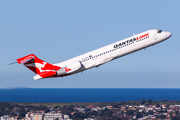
97,64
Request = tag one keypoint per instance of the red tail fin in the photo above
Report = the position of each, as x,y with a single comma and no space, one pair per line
38,66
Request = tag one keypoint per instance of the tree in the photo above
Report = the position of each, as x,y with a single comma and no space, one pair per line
138,115
94,113
130,112
162,116
78,115
20,117
175,118
123,102
150,112
143,101
106,112
157,105
150,101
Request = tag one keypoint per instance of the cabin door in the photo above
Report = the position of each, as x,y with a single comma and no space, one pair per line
155,36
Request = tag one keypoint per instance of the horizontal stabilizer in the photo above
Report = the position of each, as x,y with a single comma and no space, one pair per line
37,77
12,63
44,75
25,59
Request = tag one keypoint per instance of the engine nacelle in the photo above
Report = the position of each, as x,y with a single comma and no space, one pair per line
61,71
70,68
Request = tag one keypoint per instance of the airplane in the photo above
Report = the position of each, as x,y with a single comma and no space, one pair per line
94,58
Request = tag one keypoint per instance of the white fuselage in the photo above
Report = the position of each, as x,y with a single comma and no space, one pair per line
118,49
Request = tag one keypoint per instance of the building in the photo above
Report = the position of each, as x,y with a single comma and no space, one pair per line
34,116
7,117
46,116
53,116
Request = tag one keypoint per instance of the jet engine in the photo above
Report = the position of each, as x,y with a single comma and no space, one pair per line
70,68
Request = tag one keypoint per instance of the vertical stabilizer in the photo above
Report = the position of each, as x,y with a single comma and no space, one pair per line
38,66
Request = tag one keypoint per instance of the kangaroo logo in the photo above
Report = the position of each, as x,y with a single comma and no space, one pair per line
41,67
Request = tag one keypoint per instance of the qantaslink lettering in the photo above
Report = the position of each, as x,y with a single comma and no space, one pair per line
131,40
142,36
125,43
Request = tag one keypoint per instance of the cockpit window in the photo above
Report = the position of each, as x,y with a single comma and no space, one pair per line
159,31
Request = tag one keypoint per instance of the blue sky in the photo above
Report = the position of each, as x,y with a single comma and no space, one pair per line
59,30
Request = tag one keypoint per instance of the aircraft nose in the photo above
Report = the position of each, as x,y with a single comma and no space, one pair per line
168,34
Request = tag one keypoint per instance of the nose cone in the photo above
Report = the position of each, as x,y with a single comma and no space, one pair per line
168,34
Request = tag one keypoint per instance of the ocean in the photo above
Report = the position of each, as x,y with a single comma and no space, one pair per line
69,95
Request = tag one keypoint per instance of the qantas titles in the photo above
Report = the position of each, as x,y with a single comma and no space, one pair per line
132,40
